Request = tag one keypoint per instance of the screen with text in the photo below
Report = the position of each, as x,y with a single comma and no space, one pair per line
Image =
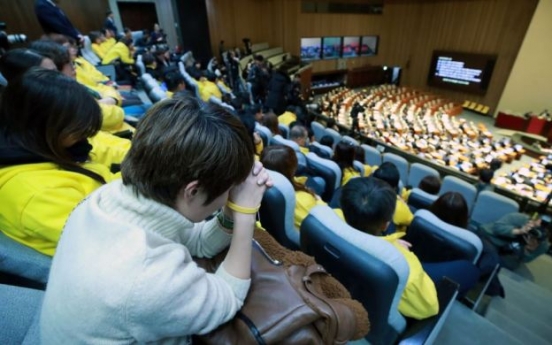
465,72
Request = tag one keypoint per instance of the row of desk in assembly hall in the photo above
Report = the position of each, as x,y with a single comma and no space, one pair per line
525,203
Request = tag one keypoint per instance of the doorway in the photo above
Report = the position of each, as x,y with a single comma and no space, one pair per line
138,15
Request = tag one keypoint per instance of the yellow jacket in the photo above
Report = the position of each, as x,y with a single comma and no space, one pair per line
207,89
304,202
419,298
113,119
108,149
118,51
348,174
103,47
287,118
403,216
85,67
38,198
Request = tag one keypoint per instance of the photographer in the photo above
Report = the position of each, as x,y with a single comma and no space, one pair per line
518,238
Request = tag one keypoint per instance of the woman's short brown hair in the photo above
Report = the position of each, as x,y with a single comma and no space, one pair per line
181,140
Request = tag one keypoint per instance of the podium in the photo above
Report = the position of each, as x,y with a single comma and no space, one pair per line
512,122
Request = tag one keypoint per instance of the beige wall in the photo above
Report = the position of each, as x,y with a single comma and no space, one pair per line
529,87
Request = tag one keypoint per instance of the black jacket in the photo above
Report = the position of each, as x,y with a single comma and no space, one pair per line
53,20
277,92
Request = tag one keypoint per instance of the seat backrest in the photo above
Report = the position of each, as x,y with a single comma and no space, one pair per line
277,211
490,207
334,134
264,132
371,155
140,64
454,184
350,140
218,101
328,170
418,172
137,35
157,94
318,129
20,315
21,261
284,130
400,163
279,140
420,200
149,82
373,270
88,53
359,167
436,241
323,150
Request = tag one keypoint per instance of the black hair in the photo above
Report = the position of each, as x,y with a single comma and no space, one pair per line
42,110
389,173
173,80
50,49
486,175
327,140
368,204
17,61
430,184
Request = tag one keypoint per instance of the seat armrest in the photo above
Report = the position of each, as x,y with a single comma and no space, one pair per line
425,331
108,70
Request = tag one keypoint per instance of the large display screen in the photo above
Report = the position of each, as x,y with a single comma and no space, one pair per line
331,47
311,48
368,45
466,72
350,46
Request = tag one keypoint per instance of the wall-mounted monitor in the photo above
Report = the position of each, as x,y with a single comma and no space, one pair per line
311,48
369,45
350,46
464,72
331,47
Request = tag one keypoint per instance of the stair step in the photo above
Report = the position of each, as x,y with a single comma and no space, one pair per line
514,329
531,320
465,327
527,296
538,271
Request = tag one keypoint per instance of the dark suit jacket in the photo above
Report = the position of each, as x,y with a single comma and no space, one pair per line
110,24
53,20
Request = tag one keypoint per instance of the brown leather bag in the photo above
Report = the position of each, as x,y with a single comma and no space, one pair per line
283,306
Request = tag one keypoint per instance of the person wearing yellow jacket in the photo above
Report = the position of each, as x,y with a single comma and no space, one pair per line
368,205
122,50
46,167
389,173
284,160
207,87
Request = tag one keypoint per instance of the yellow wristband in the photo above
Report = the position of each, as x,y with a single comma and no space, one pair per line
241,209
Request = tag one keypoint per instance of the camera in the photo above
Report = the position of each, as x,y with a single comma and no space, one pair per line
6,40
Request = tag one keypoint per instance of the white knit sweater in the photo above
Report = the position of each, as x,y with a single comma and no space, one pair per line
123,273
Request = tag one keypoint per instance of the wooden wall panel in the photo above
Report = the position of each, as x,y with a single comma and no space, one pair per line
20,17
409,31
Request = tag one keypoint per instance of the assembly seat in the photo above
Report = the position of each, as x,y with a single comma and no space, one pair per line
326,169
454,184
490,207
